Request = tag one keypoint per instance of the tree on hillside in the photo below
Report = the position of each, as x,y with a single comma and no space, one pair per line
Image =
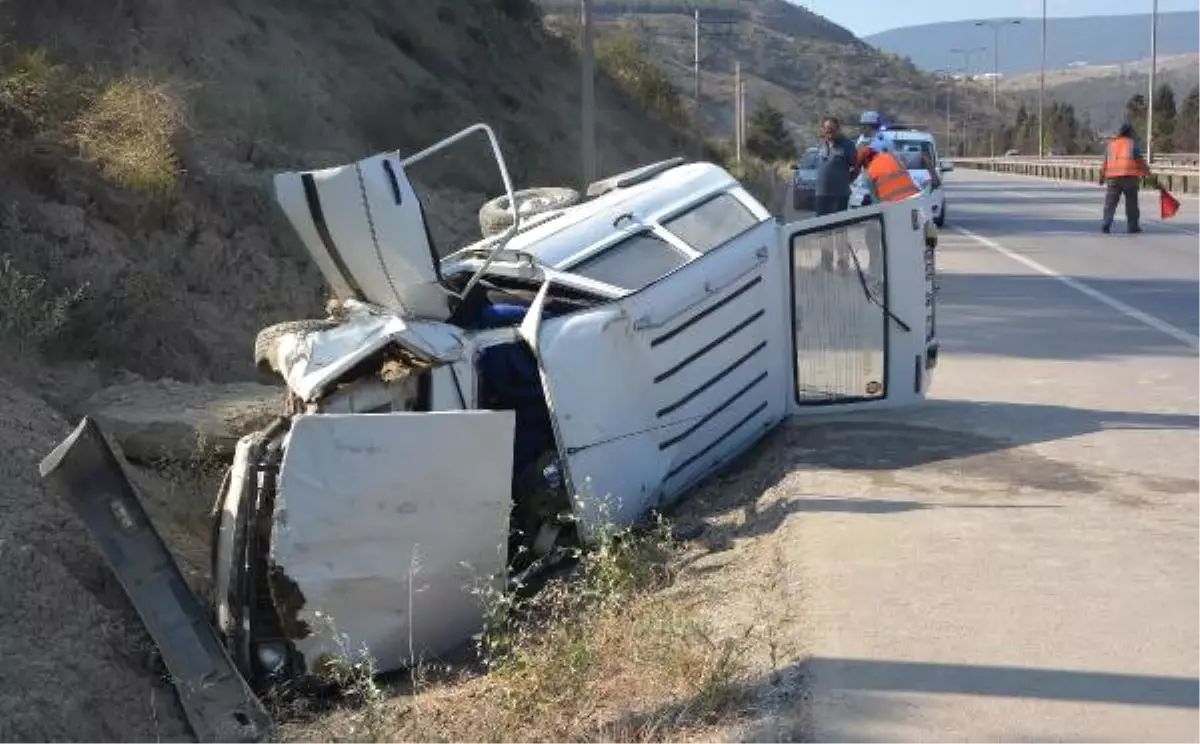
1062,131
622,58
1164,118
767,136
1187,124
1135,114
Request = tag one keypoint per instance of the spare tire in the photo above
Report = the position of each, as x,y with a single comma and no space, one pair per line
264,342
494,217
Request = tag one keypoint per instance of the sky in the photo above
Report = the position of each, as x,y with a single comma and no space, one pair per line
865,17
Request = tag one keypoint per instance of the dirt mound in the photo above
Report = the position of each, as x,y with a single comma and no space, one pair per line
77,664
182,423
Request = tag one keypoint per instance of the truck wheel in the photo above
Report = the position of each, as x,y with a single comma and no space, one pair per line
267,338
494,217
940,220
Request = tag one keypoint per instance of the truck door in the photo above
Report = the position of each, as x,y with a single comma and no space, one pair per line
857,308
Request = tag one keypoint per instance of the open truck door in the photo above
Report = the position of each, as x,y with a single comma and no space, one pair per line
860,334
652,393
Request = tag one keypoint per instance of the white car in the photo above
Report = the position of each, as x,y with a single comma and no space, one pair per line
917,150
464,411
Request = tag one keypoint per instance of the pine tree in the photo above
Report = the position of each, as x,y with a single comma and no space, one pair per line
1187,124
1164,118
1135,114
767,135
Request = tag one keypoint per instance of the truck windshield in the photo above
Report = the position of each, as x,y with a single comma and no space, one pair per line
913,152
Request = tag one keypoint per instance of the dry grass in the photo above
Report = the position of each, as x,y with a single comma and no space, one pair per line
129,130
610,653
762,179
31,312
36,88
127,126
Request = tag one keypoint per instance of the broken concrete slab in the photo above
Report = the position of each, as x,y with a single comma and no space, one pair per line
170,420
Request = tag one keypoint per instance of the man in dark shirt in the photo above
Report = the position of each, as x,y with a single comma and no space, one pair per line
836,169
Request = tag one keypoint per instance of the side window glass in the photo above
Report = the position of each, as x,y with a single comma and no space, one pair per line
839,282
633,263
713,223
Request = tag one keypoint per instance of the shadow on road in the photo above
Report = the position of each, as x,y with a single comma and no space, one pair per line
975,446
1013,224
1029,316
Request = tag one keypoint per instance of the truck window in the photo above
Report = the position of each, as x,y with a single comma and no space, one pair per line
712,223
632,263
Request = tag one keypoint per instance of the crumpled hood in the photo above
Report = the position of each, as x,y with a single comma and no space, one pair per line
311,361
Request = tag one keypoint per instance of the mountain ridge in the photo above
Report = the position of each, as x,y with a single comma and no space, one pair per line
1089,39
799,61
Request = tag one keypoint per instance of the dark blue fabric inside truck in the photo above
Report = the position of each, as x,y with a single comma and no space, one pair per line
509,381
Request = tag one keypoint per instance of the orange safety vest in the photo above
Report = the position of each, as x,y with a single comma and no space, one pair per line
891,179
1119,160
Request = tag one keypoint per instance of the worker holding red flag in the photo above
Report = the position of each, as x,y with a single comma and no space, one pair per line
1123,170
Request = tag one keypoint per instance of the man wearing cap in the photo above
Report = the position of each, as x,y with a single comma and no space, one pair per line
868,127
1122,173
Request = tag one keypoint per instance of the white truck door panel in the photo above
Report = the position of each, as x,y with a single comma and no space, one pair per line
651,393
376,518
856,287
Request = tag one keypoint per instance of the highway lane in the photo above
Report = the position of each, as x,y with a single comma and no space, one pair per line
1017,559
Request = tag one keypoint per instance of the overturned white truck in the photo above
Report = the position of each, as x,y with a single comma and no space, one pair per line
462,414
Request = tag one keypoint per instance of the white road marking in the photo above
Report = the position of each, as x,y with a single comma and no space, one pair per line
1157,324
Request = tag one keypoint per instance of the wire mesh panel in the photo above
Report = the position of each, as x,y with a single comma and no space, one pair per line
839,284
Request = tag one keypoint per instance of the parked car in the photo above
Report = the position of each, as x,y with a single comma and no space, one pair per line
465,411
805,181
917,150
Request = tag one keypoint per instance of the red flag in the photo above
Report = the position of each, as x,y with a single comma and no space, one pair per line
1167,204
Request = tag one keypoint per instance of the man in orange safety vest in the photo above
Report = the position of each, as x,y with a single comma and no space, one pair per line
888,178
1122,173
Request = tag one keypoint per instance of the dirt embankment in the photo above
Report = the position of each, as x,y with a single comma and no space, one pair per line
138,240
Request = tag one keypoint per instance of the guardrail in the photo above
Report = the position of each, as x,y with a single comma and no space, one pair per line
1176,179
1160,159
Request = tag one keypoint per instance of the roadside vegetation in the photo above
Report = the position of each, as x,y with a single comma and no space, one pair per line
604,652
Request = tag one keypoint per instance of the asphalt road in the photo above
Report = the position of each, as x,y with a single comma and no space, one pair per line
1016,560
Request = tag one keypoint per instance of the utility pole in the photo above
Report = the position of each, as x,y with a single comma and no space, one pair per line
737,110
696,73
949,93
727,25
996,26
1042,91
1153,69
742,102
966,52
587,90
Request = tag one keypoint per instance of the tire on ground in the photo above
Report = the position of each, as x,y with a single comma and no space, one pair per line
494,217
267,338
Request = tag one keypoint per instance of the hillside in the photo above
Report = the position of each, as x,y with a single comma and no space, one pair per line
1099,92
1090,39
138,240
800,62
